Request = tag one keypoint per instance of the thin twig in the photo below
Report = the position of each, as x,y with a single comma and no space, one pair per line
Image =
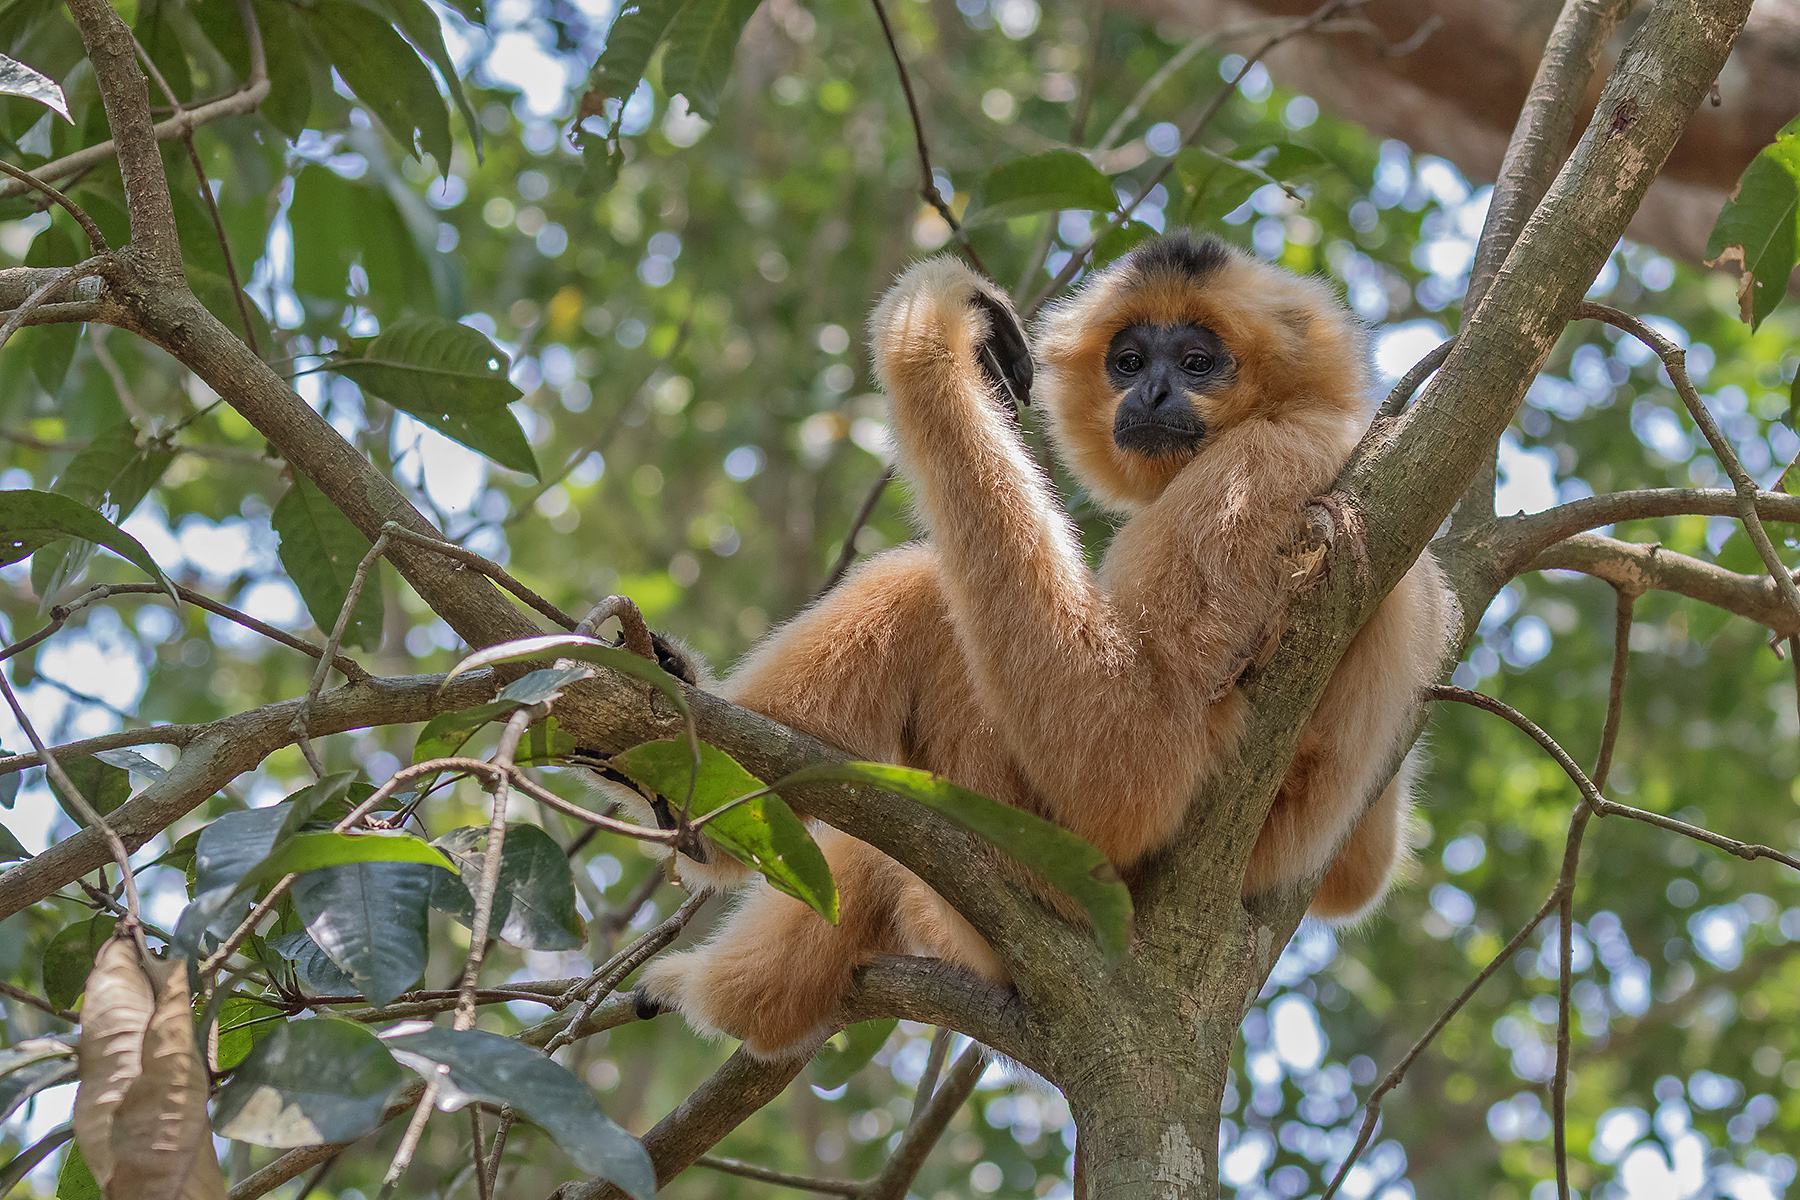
631,620
802,1183
927,185
15,320
923,1132
1565,889
928,1078
491,569
409,1142
1603,807
847,555
37,1002
619,918
332,642
121,385
1409,382
601,984
1079,256
1674,360
96,240
489,884
212,207
72,794
484,1189
60,614
1372,1106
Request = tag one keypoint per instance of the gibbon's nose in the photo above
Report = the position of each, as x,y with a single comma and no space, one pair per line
1159,389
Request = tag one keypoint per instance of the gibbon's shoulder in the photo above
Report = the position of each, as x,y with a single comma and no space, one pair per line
1289,335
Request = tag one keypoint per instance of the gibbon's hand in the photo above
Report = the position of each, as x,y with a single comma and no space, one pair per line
1005,355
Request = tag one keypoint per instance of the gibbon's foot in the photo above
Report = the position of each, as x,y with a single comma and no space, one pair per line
676,659
647,1009
1005,354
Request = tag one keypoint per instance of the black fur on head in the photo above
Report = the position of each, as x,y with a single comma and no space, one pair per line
1179,252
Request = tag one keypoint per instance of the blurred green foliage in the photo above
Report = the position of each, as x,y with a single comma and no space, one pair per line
683,323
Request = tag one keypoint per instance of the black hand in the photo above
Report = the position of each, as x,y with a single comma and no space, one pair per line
1005,355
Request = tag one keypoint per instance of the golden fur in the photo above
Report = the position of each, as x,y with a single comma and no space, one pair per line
991,654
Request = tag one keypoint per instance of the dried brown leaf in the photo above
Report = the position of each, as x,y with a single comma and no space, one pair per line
161,1124
114,1016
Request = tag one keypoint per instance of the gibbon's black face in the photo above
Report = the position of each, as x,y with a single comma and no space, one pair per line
1160,371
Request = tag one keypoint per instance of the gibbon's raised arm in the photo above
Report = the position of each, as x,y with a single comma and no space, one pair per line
1113,692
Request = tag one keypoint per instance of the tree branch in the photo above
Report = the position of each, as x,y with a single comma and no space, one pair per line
1651,568
217,753
1523,537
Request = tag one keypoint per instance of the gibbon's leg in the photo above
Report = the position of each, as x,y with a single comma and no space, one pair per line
1347,743
1359,878
1109,699
773,971
845,670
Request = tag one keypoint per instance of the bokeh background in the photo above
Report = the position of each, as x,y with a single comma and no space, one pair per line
689,344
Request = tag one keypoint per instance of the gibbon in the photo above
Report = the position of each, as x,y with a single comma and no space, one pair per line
1205,395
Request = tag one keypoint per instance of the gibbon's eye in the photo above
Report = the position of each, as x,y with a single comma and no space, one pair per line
1197,363
1129,363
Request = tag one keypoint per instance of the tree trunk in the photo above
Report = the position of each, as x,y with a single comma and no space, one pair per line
1458,91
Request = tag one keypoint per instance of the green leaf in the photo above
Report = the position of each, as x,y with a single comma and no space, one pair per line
111,474
218,297
320,1080
75,1181
313,851
52,347
10,848
69,957
9,785
1070,864
17,79
585,649
1214,188
544,743
703,38
102,785
486,1066
313,965
290,85
243,1022
415,19
446,734
763,833
155,30
132,762
321,550
337,222
22,1163
1047,182
1759,227
384,73
542,684
23,1054
833,1065
534,906
227,856
16,1087
29,520
630,42
449,376
370,919
1119,241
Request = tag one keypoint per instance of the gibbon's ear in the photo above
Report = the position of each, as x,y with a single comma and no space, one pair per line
1294,349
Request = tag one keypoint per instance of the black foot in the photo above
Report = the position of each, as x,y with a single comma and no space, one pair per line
647,1009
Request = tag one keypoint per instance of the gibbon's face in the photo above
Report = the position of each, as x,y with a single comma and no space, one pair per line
1161,352
1161,373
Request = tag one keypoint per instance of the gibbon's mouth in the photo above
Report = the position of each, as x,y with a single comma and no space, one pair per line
1159,439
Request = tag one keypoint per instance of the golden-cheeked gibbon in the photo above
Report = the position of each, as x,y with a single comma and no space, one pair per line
1204,395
